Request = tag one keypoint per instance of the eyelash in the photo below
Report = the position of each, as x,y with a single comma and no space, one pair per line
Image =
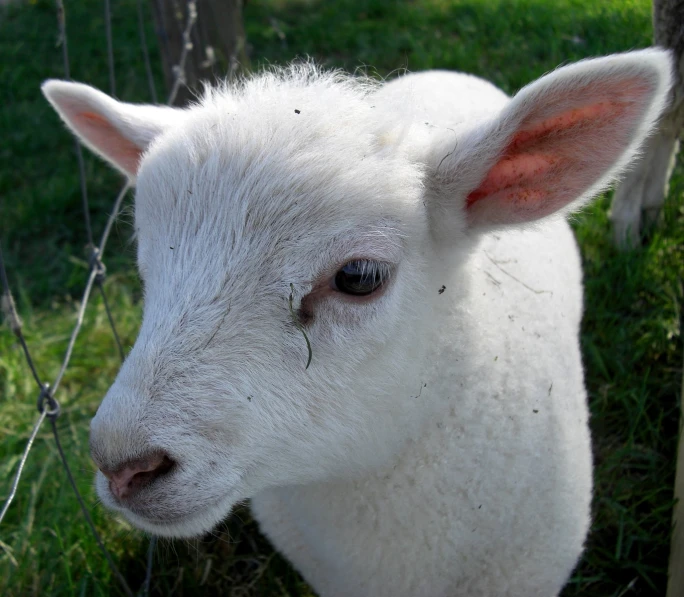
361,277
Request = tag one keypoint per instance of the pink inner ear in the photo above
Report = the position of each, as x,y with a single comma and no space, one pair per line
564,121
529,172
104,136
515,174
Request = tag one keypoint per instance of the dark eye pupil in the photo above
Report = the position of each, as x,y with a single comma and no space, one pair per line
359,278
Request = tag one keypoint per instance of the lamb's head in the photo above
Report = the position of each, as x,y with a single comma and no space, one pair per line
292,234
273,226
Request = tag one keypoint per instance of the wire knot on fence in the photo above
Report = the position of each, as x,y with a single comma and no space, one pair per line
96,265
45,397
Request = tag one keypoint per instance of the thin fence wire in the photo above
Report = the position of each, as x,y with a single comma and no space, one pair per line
64,42
47,404
146,52
110,47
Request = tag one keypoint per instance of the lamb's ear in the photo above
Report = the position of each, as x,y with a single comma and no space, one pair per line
557,143
118,132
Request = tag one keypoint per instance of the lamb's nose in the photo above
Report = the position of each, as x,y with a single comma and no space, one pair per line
129,478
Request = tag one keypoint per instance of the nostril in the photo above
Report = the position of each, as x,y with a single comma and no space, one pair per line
146,476
129,478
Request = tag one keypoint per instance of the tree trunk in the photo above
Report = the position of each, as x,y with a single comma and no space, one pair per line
640,195
205,47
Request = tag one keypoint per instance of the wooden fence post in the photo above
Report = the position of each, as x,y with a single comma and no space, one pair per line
217,39
675,583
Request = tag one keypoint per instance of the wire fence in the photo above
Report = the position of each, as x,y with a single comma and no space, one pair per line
47,404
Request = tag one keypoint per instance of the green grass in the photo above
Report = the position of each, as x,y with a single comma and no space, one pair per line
631,335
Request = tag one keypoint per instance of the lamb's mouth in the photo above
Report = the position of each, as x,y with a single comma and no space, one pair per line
184,516
195,523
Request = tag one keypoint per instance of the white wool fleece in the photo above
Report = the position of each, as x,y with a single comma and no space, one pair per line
437,443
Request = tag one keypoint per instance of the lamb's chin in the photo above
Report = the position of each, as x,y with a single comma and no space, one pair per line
200,522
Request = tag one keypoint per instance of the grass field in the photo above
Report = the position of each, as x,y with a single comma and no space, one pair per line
631,335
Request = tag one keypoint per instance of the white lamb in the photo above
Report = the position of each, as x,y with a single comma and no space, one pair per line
437,443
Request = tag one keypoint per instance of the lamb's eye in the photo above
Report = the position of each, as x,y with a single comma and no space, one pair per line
362,277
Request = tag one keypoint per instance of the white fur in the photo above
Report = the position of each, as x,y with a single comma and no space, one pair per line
438,442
